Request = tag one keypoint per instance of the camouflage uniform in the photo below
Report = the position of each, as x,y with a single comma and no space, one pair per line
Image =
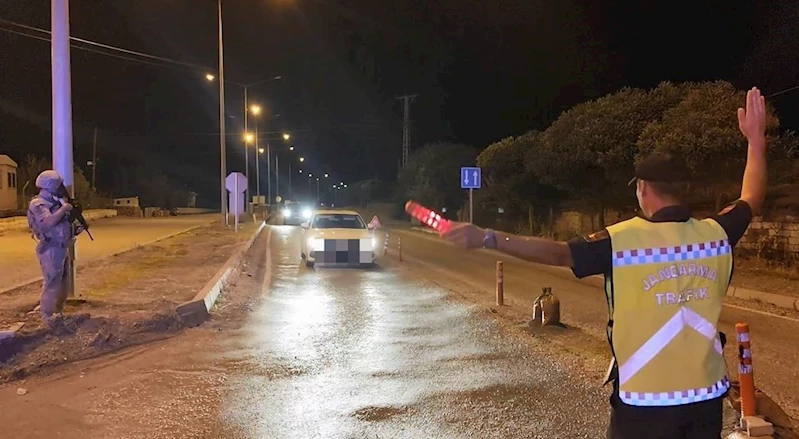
53,242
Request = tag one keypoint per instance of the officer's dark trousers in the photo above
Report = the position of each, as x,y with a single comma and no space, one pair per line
701,420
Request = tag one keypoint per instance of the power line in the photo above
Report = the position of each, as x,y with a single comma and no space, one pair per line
100,52
783,91
106,46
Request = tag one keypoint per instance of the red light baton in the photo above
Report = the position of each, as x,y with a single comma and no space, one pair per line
427,217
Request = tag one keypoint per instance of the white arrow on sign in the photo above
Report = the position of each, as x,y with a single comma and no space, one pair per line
466,178
475,178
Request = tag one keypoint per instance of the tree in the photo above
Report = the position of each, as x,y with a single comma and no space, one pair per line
589,150
703,129
509,183
30,168
431,176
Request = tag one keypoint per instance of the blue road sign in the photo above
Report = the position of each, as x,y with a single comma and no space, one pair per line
471,178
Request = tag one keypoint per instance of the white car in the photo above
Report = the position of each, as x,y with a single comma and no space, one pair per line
337,237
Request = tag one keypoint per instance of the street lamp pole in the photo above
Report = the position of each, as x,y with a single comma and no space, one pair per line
290,195
269,174
257,165
277,174
222,146
246,149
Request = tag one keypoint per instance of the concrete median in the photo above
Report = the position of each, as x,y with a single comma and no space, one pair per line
197,310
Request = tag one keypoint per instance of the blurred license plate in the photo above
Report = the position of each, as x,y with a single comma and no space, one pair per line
345,252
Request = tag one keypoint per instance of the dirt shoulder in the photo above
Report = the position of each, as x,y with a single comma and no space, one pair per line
151,390
768,276
125,300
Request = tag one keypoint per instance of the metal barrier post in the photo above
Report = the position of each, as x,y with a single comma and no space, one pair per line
399,247
500,283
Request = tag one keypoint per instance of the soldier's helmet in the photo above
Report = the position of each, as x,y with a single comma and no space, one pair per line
49,180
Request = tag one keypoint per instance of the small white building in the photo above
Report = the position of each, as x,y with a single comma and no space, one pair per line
126,202
8,183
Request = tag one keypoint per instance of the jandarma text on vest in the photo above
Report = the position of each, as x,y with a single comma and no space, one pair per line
678,270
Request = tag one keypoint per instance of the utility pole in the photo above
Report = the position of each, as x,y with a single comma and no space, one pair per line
62,115
94,161
406,127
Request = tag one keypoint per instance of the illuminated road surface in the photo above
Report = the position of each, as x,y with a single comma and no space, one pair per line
325,353
340,353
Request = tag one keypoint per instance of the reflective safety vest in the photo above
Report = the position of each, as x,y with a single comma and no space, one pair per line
668,284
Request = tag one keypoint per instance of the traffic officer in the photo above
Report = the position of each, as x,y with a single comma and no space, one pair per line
48,219
666,277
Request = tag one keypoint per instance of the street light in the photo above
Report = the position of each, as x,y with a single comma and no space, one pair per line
210,77
255,110
286,137
326,175
249,137
300,171
302,159
291,148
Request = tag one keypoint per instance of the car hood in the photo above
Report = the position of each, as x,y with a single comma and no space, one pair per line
339,233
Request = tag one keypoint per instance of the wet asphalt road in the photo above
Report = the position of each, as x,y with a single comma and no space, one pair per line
319,353
348,353
775,340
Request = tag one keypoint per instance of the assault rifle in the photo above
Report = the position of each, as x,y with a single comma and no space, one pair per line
75,216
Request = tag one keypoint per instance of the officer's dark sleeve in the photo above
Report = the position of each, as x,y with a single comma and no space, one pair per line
735,219
591,254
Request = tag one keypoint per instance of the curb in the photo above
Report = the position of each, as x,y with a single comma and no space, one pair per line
25,283
197,310
778,300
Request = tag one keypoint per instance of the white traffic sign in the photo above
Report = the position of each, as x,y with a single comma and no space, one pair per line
236,182
471,177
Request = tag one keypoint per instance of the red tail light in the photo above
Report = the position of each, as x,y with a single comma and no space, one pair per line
427,217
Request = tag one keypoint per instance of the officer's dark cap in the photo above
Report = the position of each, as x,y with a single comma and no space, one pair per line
661,167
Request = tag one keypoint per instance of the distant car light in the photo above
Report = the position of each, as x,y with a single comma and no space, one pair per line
287,213
306,213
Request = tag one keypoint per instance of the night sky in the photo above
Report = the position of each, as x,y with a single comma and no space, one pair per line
483,70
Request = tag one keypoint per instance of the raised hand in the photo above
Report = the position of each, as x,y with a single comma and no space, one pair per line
752,120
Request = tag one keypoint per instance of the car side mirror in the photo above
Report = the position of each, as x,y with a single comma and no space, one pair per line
305,225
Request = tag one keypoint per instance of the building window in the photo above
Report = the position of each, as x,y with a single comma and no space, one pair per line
12,180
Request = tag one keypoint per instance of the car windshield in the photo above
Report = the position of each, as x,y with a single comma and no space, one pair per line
338,221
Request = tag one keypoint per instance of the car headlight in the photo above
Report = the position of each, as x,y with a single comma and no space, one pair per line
287,212
374,243
306,213
316,245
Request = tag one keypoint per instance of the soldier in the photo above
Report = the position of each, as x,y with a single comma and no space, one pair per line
666,275
48,219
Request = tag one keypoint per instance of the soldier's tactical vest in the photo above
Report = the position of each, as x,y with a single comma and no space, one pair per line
59,234
668,285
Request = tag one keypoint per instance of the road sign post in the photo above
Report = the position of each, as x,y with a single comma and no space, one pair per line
236,184
471,178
